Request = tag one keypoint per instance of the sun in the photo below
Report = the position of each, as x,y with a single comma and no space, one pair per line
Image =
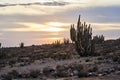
55,26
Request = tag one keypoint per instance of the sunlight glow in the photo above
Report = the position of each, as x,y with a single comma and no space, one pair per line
59,24
55,27
49,40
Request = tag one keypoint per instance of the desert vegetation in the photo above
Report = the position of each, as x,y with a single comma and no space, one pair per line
82,37
85,58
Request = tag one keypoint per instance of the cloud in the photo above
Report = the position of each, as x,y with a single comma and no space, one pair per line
34,21
54,3
47,27
32,10
9,25
109,14
106,26
54,7
1,34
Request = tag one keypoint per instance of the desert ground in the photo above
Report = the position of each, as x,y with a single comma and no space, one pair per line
59,61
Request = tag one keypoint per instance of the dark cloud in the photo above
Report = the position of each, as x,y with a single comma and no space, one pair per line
54,3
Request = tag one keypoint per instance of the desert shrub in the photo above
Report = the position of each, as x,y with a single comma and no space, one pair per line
78,67
100,58
87,60
25,75
12,62
56,43
47,71
6,77
60,56
34,74
116,67
64,56
21,45
83,74
99,39
11,75
94,68
61,71
115,57
3,55
62,74
66,41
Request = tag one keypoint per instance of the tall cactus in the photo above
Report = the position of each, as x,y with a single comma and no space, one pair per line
82,37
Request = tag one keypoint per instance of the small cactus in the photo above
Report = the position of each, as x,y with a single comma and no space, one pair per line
21,45
0,45
66,41
98,39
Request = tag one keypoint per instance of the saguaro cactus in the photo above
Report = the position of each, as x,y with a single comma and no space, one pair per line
82,37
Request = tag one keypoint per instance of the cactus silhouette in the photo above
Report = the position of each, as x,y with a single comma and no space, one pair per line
98,39
0,45
21,45
82,37
72,33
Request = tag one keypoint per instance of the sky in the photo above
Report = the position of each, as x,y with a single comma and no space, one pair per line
44,21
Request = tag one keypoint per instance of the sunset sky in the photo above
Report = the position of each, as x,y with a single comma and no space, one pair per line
43,21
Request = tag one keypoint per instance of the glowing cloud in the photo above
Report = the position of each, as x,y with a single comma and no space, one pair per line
47,27
59,24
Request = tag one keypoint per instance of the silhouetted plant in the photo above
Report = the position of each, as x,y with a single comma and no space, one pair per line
98,39
94,68
83,74
21,45
11,75
0,45
57,43
66,41
82,37
73,33
34,74
0,49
